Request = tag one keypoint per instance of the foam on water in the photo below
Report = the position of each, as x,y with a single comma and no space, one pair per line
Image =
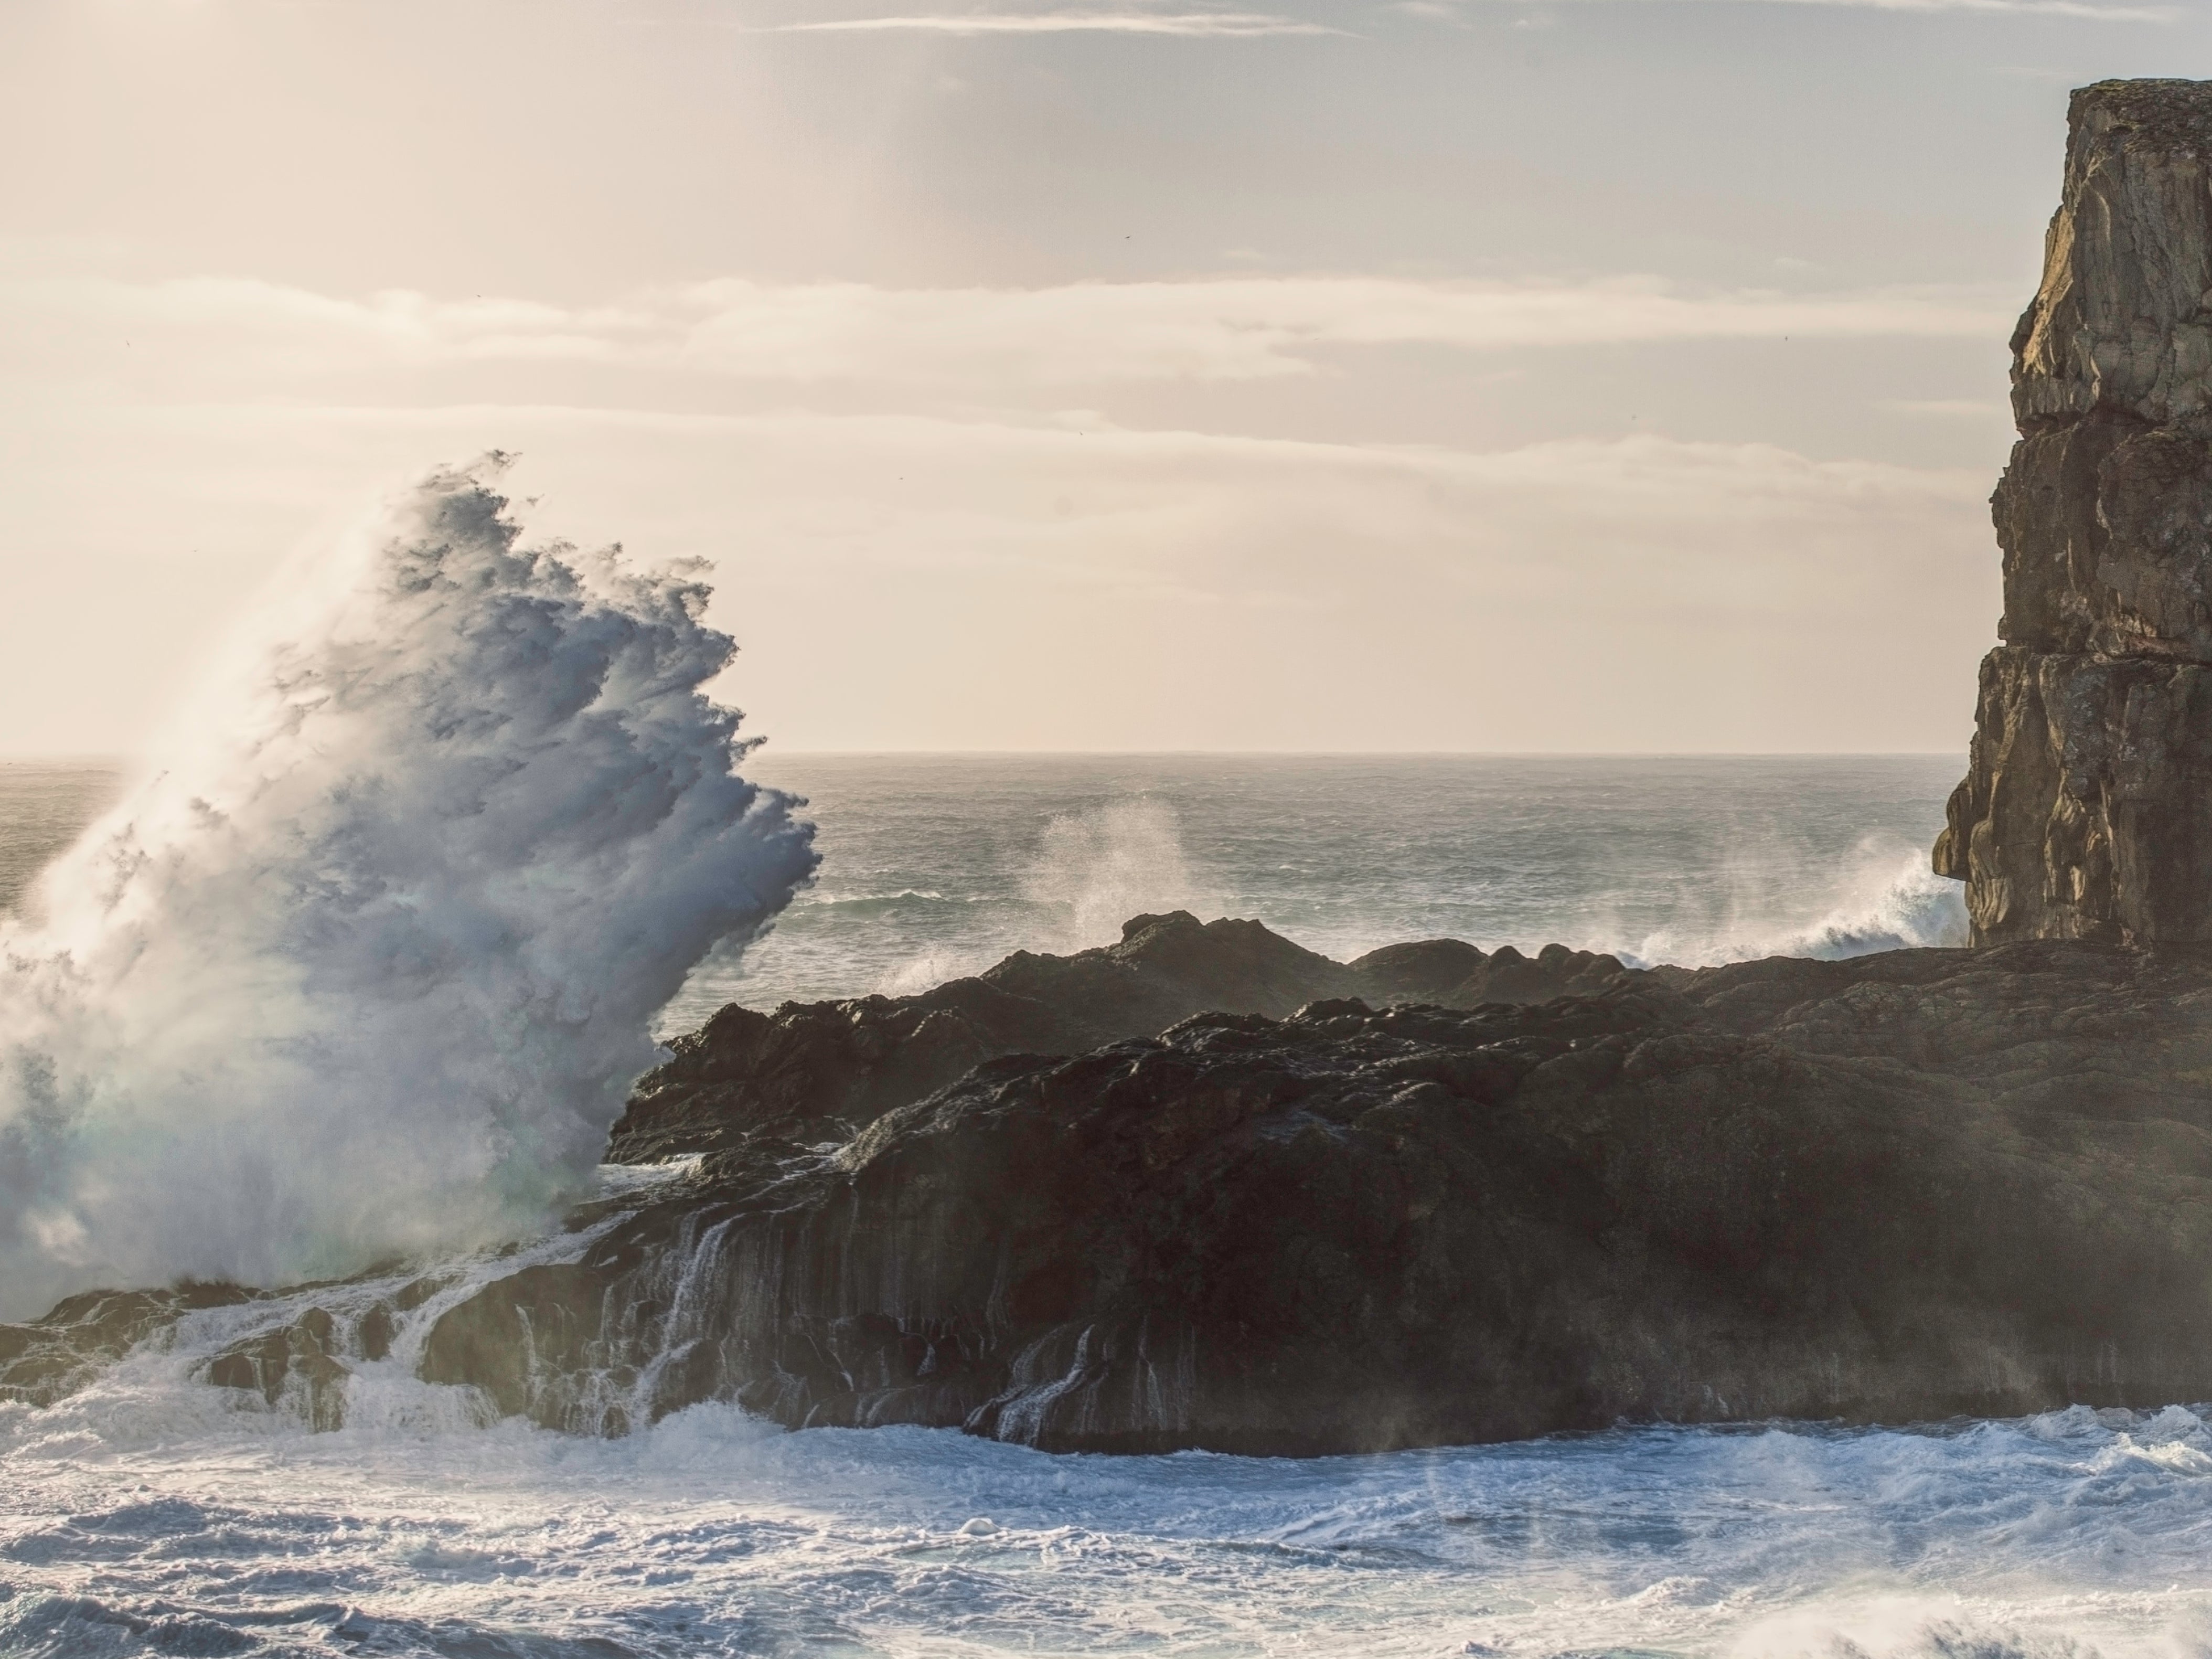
225,1528
367,964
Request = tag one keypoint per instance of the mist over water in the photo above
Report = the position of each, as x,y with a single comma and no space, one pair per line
940,865
365,965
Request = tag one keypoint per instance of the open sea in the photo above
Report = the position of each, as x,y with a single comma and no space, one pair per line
940,865
151,1514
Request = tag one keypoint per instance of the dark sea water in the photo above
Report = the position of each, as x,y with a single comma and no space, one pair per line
151,1514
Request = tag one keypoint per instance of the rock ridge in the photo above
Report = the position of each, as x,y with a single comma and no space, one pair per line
827,1069
1894,1188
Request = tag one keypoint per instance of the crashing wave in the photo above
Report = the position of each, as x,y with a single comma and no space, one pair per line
367,965
1881,899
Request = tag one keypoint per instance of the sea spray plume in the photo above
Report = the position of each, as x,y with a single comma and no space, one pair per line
369,968
1099,867
1882,897
1089,872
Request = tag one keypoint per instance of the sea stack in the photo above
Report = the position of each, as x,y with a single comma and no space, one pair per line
2086,808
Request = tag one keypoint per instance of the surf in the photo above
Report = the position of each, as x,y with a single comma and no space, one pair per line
364,964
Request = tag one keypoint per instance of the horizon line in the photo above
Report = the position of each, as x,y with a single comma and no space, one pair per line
97,757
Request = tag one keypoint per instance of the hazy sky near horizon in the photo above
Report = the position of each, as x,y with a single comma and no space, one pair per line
1443,374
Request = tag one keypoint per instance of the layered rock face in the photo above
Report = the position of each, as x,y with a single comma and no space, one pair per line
761,1099
2086,809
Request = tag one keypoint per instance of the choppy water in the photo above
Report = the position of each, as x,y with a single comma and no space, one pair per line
151,1514
935,864
2058,1535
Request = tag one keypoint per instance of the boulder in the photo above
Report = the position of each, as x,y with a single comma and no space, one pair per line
298,1364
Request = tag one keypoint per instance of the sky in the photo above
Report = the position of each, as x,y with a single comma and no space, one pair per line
1577,376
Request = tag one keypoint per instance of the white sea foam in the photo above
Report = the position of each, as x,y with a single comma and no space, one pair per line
367,964
2063,1536
1880,897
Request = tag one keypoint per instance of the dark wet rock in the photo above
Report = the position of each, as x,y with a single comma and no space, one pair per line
49,1357
2086,808
1508,976
1896,1187
299,1363
813,1072
296,1362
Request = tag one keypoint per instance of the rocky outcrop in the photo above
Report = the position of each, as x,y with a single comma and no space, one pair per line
50,1357
2086,809
812,1071
1891,1189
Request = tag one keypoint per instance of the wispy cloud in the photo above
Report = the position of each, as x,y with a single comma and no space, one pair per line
984,341
2081,9
892,575
1229,24
2010,8
1255,328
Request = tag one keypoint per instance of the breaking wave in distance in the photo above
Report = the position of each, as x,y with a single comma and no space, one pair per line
1880,899
367,965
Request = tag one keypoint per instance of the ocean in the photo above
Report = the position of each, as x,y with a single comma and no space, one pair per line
151,1514
940,865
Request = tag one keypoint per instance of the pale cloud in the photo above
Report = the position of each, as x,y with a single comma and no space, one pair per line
984,340
903,576
2081,9
2007,7
909,580
1977,409
1256,328
1215,25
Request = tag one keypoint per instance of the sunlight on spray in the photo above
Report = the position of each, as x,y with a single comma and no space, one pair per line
1882,897
366,966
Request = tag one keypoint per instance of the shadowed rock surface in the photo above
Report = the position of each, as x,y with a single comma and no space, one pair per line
1892,1189
2086,809
822,1070
49,1357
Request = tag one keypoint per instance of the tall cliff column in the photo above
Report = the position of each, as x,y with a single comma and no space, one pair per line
2086,808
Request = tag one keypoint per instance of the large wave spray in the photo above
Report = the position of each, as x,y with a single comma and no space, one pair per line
368,967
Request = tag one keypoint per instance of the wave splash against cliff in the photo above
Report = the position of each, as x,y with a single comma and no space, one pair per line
1879,897
367,966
